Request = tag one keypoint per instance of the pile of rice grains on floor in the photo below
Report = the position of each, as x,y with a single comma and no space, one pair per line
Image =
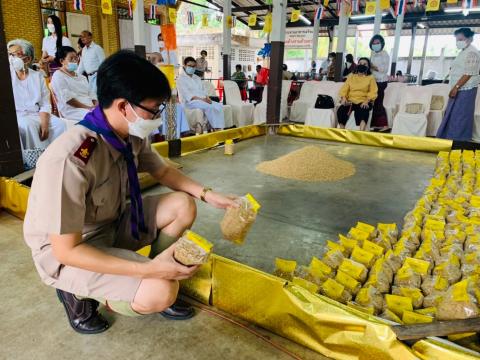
428,271
308,164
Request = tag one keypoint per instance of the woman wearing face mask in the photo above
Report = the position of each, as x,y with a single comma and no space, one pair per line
53,41
349,66
331,66
457,123
37,126
168,57
380,63
357,95
74,98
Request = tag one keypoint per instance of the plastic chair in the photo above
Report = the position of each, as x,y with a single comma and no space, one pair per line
308,97
413,124
242,112
325,117
435,117
260,113
391,101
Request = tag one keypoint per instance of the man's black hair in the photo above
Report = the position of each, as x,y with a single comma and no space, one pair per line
349,57
89,33
284,67
58,30
188,59
238,67
258,67
62,53
204,52
467,32
332,55
125,75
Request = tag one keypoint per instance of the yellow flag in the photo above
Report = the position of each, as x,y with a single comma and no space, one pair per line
172,15
204,20
107,7
384,4
295,16
433,5
267,28
252,20
370,7
451,1
229,20
134,5
325,3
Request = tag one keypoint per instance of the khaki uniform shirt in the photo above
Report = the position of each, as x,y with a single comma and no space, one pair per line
78,191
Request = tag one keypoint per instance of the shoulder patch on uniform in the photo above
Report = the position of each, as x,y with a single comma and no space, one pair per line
86,149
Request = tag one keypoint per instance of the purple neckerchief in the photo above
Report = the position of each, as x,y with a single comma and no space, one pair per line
96,121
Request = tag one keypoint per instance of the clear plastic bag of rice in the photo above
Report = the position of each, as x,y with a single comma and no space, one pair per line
379,282
388,231
472,258
390,315
237,221
449,270
407,277
370,297
382,269
434,284
335,291
394,261
285,269
433,300
413,293
471,246
192,249
470,269
458,303
333,258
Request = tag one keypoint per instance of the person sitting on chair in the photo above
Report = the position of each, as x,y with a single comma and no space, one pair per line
193,95
357,95
37,126
72,91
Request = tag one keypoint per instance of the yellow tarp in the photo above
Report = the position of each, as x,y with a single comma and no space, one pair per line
368,138
201,142
13,197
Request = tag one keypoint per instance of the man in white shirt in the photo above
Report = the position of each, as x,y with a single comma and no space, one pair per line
193,95
92,56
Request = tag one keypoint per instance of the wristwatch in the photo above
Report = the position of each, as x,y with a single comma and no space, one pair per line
204,193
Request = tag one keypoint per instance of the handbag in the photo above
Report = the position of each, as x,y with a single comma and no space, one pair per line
324,102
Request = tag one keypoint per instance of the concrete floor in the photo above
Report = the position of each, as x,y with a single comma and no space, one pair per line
294,222
33,324
298,217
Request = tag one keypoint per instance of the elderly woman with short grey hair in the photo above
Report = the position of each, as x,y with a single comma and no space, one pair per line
37,126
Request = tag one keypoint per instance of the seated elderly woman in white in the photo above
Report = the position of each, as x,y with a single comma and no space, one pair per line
72,91
37,126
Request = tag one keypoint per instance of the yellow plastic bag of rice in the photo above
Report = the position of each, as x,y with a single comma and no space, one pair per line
192,249
285,269
237,221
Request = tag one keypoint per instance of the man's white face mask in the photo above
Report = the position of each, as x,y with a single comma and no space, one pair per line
142,127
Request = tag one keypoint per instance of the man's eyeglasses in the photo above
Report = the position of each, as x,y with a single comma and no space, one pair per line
156,114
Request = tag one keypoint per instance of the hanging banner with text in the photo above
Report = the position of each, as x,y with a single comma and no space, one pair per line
298,38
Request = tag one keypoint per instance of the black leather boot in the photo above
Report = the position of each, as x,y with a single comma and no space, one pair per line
82,314
178,311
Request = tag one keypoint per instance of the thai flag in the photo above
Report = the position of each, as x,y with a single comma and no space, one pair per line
190,18
355,6
153,12
319,13
78,5
234,21
400,7
130,8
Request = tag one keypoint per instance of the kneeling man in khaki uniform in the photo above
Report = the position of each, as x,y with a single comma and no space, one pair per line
83,233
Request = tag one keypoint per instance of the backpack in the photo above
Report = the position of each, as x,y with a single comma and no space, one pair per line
324,102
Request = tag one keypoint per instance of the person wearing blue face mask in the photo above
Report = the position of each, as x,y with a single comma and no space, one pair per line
192,95
380,65
72,91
